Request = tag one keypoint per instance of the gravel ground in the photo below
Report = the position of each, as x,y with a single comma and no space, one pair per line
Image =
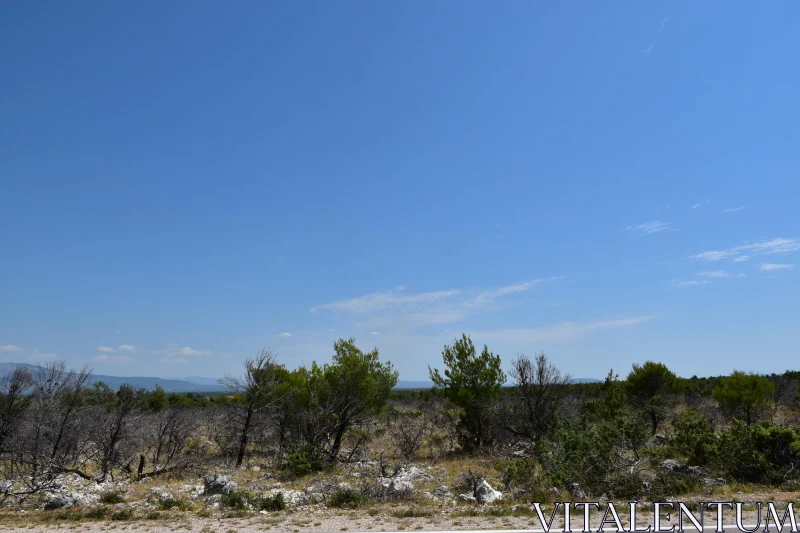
328,521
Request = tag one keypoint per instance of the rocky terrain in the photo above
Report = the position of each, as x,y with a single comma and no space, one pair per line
364,498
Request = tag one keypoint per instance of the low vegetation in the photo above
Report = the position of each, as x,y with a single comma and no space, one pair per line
651,435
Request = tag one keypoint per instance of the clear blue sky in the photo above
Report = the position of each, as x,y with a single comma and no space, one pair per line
183,183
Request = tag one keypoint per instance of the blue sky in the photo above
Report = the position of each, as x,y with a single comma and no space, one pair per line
184,183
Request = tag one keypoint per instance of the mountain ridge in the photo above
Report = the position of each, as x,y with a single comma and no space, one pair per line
203,384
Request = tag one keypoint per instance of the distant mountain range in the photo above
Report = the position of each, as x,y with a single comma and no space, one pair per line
201,384
149,383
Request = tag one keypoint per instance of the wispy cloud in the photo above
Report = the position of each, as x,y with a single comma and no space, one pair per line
285,334
741,258
647,51
175,353
714,274
745,251
719,274
105,349
700,204
397,306
733,209
374,333
113,358
771,267
126,348
190,351
648,228
42,356
380,301
690,283
563,332
10,348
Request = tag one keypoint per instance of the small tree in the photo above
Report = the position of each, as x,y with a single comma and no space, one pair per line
473,383
356,386
647,386
538,396
14,400
114,415
742,394
256,392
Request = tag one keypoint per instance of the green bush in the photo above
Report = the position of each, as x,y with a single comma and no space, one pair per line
271,503
122,514
65,515
624,485
579,454
516,472
170,503
113,497
97,513
299,464
349,499
155,515
667,485
758,454
236,499
694,437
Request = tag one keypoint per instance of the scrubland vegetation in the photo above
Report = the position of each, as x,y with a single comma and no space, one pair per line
337,436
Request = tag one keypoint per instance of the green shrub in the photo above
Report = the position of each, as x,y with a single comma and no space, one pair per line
667,485
516,472
694,437
759,454
625,485
298,464
271,503
155,515
113,497
97,513
236,499
65,515
301,463
122,514
349,499
170,503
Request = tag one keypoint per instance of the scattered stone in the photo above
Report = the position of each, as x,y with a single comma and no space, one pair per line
194,490
467,497
62,502
218,484
413,474
659,439
713,481
486,494
212,501
576,491
292,498
159,494
256,468
671,465
442,492
399,488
